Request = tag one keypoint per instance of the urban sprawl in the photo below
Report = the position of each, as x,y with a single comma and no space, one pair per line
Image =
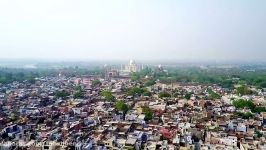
117,112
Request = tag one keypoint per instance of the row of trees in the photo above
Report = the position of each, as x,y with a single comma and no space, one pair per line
165,94
136,91
241,104
226,78
213,95
8,75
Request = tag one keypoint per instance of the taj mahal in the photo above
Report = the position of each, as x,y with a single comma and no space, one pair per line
129,68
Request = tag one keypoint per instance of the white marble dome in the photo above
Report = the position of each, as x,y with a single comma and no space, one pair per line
131,62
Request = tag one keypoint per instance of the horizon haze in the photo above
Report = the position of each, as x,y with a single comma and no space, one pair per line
65,30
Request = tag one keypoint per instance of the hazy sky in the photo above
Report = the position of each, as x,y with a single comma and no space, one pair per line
137,29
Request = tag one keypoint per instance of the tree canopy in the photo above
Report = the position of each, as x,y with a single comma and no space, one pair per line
78,92
164,94
213,95
61,94
149,83
146,93
96,83
107,94
243,90
121,106
241,103
135,91
246,115
188,96
148,113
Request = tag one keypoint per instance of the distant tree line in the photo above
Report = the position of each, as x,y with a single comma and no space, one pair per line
9,75
225,77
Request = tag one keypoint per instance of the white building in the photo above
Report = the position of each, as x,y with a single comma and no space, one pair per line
230,141
241,127
129,68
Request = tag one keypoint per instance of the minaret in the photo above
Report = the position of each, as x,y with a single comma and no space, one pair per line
106,71
121,68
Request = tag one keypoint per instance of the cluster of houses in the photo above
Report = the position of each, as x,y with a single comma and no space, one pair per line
32,117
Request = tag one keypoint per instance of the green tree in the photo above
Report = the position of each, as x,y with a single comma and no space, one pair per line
241,103
107,94
176,94
243,90
31,79
78,88
262,84
147,93
164,94
259,134
213,95
148,113
135,77
259,109
247,115
149,83
78,92
135,91
78,95
188,96
61,94
96,83
121,106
